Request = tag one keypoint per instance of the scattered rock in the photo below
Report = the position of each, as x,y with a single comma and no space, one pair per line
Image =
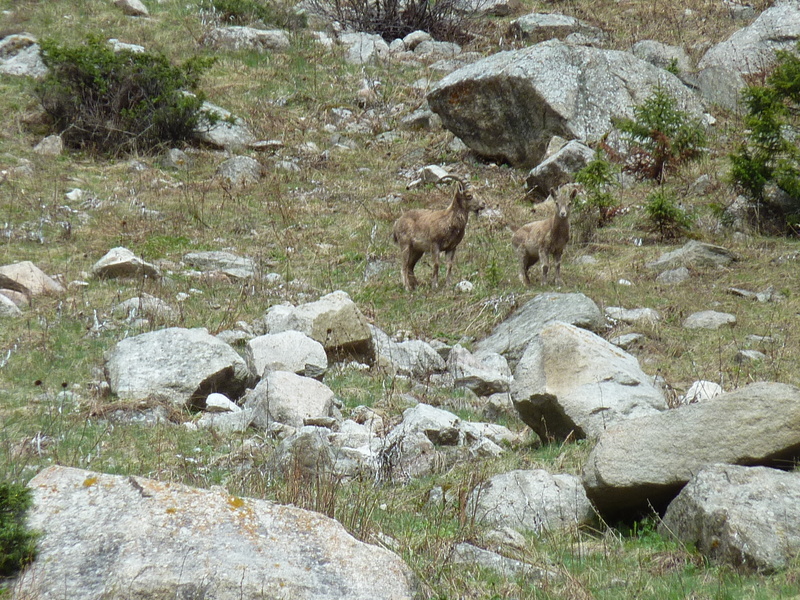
28,279
468,554
223,131
559,168
633,316
121,262
132,8
673,276
485,373
540,27
531,501
235,39
709,319
240,171
694,254
20,55
52,145
286,351
506,107
700,391
662,55
334,321
289,398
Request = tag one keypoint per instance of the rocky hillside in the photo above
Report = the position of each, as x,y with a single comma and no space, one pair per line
216,384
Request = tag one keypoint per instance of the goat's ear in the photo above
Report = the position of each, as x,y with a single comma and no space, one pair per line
573,193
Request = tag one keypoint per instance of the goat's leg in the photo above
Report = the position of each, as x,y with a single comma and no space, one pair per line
410,259
526,261
435,257
451,256
545,267
557,261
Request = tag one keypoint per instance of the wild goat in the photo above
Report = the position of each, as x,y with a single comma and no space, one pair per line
421,230
546,238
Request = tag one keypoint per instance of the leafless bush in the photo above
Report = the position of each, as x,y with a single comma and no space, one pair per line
445,20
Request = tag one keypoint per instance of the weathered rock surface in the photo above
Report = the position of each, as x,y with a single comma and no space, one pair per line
662,55
286,351
240,267
743,516
534,501
115,537
28,279
652,458
20,55
508,105
144,306
289,398
540,27
413,358
573,383
240,171
227,131
709,319
558,169
694,253
468,554
511,337
334,321
183,365
485,373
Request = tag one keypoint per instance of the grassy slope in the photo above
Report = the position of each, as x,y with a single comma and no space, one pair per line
321,228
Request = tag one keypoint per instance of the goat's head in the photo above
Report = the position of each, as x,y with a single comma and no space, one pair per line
464,196
563,198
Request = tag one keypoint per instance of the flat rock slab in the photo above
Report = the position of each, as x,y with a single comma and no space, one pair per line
112,537
647,461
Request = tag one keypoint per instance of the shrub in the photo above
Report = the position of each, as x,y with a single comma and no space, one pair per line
393,19
665,216
769,155
116,103
596,206
17,543
660,135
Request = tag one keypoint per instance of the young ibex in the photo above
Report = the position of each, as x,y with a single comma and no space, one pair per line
421,230
544,239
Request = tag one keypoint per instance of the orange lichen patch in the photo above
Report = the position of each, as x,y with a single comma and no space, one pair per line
171,510
235,502
89,481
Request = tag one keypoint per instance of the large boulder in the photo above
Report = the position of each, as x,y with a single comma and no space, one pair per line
744,516
647,461
571,383
182,365
119,537
507,106
749,51
512,336
334,321
534,501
